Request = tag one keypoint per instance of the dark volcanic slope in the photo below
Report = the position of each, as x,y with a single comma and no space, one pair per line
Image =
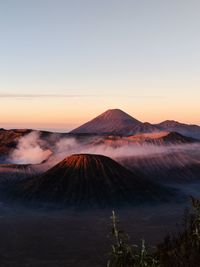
90,180
15,172
177,167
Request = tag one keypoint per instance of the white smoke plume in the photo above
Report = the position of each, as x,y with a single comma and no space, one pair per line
29,150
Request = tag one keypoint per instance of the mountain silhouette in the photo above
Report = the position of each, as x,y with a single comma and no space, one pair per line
88,180
114,121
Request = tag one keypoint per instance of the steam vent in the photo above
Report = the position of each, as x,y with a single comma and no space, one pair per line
88,180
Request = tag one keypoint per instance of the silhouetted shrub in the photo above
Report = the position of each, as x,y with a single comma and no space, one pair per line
183,248
178,250
125,255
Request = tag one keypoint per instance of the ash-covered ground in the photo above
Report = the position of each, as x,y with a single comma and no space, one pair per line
41,238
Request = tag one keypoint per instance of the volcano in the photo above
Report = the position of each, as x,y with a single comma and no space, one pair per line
117,122
113,121
88,180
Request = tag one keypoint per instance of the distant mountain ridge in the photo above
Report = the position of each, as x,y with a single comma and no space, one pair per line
117,122
112,122
190,130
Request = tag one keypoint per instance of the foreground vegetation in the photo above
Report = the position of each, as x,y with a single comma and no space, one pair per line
179,250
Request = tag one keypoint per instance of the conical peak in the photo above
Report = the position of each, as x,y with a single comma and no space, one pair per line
89,180
85,161
116,114
114,121
84,156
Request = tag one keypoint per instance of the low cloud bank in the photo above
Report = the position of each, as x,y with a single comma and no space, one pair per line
32,149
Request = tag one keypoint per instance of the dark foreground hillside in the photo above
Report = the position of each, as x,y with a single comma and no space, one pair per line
75,239
47,238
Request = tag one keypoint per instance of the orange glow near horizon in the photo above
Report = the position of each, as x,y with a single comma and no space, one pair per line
60,113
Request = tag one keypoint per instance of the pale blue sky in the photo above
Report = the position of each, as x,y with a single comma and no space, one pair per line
142,56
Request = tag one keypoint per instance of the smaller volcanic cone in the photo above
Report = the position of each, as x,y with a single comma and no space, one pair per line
86,180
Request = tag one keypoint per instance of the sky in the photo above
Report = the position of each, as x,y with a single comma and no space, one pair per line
63,62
